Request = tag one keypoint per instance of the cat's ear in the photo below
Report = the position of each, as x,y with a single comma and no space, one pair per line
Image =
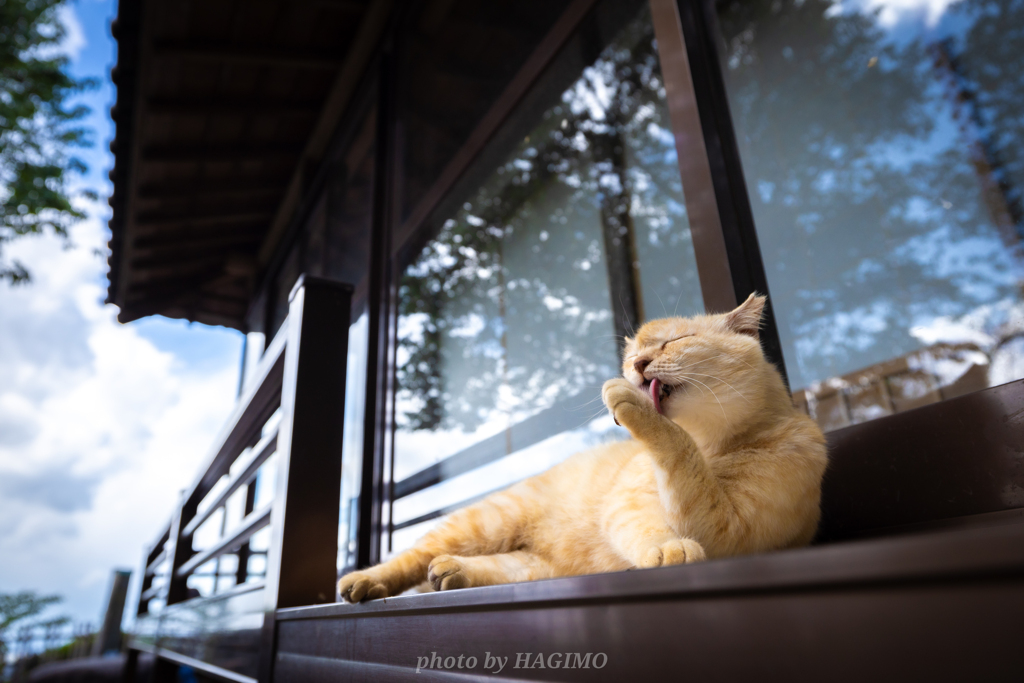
746,318
629,347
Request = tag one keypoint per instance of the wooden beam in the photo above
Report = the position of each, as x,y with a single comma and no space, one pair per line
159,220
160,238
343,5
243,107
187,247
204,153
166,268
217,52
211,190
370,29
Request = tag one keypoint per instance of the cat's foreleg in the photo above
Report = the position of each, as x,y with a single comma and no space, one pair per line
691,495
634,524
447,571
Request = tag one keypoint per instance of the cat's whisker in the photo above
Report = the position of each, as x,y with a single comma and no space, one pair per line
719,379
713,394
702,360
584,405
685,381
632,332
590,419
662,302
721,355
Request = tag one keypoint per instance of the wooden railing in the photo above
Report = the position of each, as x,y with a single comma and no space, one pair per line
302,377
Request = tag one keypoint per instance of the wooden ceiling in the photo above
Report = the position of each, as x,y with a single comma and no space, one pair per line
222,107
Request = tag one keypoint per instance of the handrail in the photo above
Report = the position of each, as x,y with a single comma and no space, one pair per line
259,455
253,523
155,562
158,546
254,408
302,375
153,592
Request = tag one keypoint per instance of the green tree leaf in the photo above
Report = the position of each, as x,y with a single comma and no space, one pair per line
38,127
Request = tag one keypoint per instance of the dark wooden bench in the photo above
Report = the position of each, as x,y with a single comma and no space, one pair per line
917,572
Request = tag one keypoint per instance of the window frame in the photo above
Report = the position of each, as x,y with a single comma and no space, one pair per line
724,240
729,260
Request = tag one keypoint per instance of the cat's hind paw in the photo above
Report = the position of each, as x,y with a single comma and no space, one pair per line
359,586
447,573
675,551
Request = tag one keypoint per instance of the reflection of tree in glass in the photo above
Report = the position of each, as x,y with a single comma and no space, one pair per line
869,198
507,310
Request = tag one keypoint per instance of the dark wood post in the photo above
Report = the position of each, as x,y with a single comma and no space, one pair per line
109,637
180,551
303,554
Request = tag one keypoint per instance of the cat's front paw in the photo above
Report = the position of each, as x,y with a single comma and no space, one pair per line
359,586
447,573
627,403
675,551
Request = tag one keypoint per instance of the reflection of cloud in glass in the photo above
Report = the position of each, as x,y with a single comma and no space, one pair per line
881,139
509,317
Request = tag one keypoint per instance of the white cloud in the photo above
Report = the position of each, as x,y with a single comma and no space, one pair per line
99,429
74,35
891,12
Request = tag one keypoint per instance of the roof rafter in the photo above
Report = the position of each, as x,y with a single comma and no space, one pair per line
201,153
215,52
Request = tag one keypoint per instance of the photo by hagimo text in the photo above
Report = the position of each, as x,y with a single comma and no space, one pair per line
721,463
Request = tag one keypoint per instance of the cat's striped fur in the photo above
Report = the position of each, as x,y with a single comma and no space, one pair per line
721,464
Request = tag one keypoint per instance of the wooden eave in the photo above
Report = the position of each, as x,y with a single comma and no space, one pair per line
221,109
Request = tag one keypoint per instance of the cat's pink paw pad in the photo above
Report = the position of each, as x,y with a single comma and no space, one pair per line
447,573
359,586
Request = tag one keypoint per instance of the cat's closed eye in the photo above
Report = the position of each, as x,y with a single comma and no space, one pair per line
676,339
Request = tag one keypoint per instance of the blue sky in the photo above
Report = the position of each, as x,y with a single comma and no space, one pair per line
101,424
199,344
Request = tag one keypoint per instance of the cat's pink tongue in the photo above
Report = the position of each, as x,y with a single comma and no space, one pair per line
656,394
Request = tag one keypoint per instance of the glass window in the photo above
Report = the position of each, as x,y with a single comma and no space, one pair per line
457,58
352,444
880,144
573,230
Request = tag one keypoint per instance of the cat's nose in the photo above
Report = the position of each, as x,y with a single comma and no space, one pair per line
640,364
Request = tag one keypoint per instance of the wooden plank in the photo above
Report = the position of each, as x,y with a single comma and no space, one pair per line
987,552
240,107
950,631
936,462
212,189
942,606
253,523
218,52
260,452
161,220
211,153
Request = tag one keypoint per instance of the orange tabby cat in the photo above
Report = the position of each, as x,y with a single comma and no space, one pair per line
721,464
